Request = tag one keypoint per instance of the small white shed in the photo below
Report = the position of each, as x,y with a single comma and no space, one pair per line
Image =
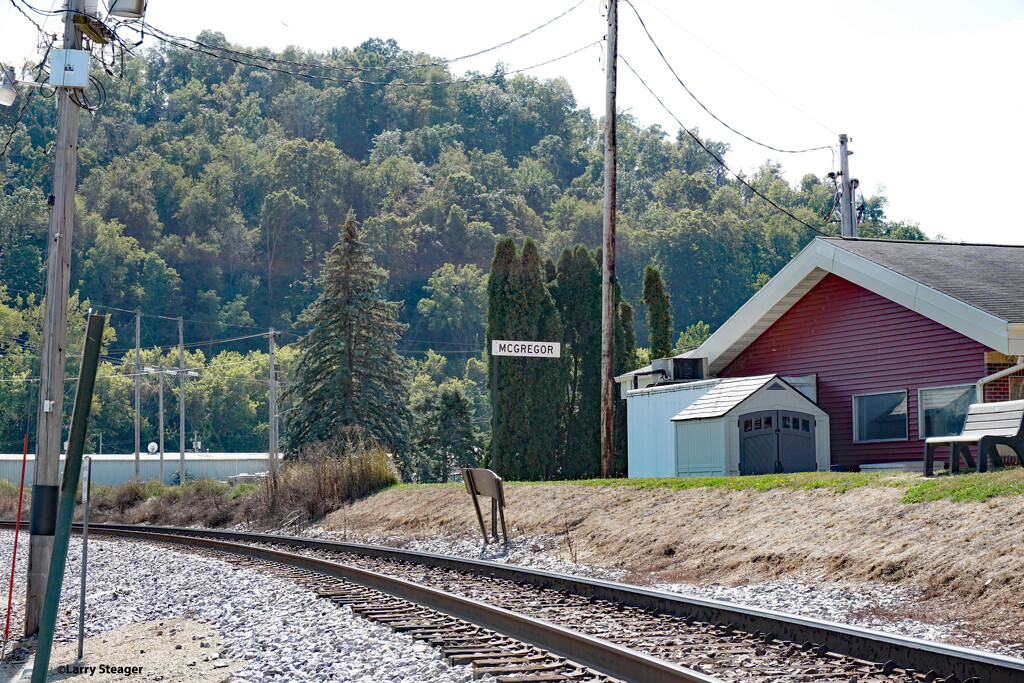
751,425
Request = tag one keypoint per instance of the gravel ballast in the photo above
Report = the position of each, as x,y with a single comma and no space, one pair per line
261,627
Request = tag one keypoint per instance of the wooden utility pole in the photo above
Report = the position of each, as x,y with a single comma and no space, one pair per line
181,400
138,385
273,410
608,270
53,356
847,213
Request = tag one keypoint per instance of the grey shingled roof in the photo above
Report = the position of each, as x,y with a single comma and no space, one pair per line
725,396
985,276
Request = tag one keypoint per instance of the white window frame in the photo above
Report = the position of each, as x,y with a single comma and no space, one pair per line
920,404
856,420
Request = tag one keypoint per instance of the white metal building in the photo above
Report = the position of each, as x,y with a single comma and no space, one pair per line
649,428
116,468
751,425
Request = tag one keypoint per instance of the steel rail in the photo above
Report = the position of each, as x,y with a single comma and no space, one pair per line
903,651
595,653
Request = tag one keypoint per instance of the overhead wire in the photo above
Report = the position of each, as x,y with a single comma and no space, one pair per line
716,157
359,81
668,64
24,14
348,68
738,67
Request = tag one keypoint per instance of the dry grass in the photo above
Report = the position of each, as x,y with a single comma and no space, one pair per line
967,554
326,476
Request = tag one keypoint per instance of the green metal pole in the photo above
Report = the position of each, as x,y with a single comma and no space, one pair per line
68,490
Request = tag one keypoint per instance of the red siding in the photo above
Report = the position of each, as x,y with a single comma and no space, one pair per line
858,342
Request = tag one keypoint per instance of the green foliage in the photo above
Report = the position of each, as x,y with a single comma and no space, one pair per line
693,336
659,314
577,294
349,373
447,438
521,308
457,302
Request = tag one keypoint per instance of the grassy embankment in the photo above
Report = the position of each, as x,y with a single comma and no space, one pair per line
961,488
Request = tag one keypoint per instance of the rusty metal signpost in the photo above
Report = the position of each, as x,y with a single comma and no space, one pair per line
486,483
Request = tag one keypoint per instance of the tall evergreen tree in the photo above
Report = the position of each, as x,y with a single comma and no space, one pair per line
659,313
499,302
577,293
521,308
625,360
350,373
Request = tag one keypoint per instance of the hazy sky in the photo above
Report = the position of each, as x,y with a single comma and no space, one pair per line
928,90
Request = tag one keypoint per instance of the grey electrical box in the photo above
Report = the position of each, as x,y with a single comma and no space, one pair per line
69,68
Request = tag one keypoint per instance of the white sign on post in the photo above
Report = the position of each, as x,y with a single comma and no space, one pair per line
526,349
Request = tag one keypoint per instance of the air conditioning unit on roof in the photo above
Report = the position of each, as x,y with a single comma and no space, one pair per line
681,369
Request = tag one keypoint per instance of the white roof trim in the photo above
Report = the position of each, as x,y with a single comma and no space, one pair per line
820,258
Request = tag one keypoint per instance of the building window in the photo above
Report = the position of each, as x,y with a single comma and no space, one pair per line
942,410
880,417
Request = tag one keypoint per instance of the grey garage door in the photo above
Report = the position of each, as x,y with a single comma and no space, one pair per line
777,441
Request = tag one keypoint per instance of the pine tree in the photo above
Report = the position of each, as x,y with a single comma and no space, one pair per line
350,373
577,294
659,313
448,438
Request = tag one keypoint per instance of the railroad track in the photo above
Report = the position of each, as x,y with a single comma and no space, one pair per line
554,627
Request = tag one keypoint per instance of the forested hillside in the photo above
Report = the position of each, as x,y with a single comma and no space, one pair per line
213,191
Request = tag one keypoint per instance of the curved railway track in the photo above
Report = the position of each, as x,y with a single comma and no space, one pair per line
552,627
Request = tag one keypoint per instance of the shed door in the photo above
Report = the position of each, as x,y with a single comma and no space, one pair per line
796,442
759,445
777,441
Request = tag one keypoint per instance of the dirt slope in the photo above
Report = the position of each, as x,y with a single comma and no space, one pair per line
965,558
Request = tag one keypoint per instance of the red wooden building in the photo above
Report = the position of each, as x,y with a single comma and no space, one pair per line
896,334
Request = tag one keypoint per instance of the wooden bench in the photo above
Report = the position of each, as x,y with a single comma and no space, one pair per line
988,425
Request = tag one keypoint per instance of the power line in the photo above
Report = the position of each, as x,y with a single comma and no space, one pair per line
328,67
715,156
24,14
358,81
702,105
738,67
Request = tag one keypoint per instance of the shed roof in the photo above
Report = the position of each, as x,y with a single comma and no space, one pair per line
725,396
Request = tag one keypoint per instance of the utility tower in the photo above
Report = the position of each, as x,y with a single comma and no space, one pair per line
54,351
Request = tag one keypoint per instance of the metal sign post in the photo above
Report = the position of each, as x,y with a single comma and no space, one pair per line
481,482
68,493
86,485
522,349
